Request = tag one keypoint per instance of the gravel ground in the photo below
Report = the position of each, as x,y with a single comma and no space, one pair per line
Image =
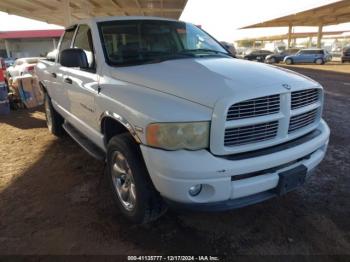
54,200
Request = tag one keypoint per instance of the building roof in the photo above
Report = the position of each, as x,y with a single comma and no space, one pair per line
60,11
31,34
298,35
331,14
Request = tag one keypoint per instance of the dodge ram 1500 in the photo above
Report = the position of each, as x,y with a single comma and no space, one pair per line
178,120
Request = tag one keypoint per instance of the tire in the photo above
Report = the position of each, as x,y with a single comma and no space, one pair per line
319,61
132,188
54,120
289,61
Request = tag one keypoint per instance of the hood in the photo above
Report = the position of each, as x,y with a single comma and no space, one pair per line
206,80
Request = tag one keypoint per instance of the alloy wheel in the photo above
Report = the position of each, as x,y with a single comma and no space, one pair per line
123,181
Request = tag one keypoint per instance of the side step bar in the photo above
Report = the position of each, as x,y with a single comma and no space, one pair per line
84,142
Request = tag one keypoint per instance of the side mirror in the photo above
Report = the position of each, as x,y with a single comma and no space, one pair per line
73,57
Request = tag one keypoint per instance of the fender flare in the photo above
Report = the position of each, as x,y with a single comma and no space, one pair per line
121,120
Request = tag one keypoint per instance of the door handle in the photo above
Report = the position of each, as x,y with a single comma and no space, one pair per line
68,80
54,75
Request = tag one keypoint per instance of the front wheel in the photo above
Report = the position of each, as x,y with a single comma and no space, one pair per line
131,185
319,61
273,60
289,61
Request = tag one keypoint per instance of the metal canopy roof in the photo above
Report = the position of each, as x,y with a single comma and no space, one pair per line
335,34
62,12
331,14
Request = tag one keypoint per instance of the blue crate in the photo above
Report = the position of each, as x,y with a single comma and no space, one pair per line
4,107
3,92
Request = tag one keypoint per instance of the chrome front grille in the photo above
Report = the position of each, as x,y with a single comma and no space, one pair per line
304,98
254,107
300,121
266,121
250,134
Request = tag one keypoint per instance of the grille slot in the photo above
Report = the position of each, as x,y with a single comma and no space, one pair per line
254,107
302,120
304,97
250,134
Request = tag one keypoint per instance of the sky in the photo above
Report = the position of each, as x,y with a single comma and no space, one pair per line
220,18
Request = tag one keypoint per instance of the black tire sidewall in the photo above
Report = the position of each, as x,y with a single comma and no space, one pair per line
290,61
125,144
318,59
56,119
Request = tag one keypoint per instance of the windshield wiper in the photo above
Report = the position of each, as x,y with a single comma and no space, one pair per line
155,59
204,50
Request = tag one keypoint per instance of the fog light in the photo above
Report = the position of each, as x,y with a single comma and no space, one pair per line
195,190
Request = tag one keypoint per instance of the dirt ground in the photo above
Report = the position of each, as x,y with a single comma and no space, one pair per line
330,66
54,200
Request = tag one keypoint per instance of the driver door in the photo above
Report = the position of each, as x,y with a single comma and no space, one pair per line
82,83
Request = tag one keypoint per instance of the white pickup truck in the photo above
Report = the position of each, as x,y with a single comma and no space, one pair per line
178,121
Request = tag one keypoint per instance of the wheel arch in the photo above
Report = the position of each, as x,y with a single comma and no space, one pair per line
289,58
112,124
42,87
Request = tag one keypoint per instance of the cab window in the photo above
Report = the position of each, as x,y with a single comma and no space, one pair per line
67,39
83,40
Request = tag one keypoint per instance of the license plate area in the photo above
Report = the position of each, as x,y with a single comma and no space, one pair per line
291,179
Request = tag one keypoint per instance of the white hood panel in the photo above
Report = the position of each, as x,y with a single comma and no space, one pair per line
206,80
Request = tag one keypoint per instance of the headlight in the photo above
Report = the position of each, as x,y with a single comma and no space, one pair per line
174,136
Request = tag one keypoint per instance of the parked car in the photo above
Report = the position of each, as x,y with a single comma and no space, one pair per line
23,66
257,55
9,61
51,56
345,55
317,56
278,57
229,47
177,120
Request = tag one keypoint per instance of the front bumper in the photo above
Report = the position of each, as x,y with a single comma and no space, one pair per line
225,185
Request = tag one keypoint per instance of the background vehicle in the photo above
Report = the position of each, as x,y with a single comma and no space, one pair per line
317,56
23,66
178,121
257,55
51,56
229,47
278,47
345,55
278,57
9,61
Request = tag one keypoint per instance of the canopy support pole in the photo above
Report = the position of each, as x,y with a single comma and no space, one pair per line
290,27
7,46
319,36
67,12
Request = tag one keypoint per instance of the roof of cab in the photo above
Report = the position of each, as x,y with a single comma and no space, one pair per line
121,18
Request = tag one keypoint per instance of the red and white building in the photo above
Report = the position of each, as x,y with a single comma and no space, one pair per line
29,43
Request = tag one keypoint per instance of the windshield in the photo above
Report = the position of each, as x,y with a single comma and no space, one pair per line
148,41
